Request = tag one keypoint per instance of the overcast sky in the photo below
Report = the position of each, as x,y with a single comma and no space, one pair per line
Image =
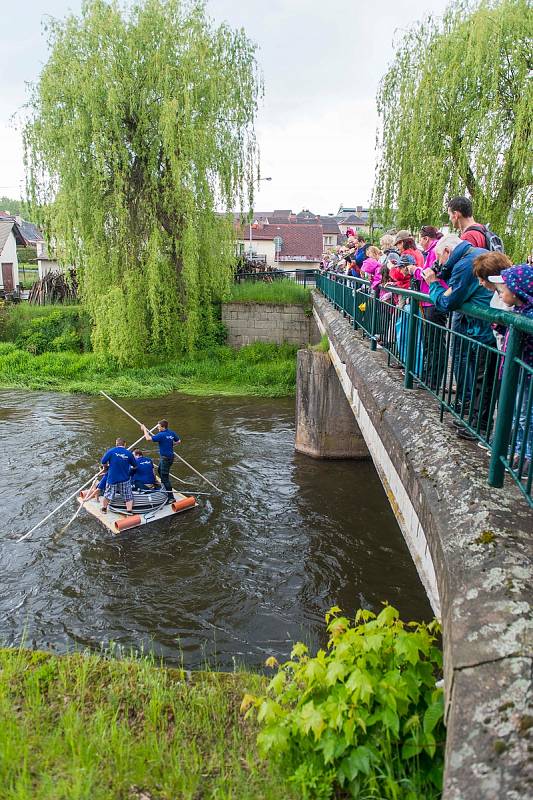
321,62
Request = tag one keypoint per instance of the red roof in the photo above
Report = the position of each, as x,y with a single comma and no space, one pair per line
298,240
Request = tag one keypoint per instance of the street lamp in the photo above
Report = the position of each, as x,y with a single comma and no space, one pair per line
250,246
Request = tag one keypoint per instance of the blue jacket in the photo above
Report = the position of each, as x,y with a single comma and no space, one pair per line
465,289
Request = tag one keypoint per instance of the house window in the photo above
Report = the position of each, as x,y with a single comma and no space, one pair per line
328,240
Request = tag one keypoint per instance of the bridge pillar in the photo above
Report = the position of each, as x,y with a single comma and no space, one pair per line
325,424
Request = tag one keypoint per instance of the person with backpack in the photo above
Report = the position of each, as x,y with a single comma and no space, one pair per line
460,213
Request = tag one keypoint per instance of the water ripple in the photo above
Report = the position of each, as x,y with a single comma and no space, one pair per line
241,577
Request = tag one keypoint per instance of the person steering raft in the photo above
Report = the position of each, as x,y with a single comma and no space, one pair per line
165,438
119,461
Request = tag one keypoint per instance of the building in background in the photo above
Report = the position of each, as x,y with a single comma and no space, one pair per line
334,228
286,246
10,238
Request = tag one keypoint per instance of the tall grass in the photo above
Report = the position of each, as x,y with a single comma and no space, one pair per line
279,291
83,726
260,369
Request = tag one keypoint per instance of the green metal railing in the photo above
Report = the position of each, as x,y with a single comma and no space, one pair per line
489,393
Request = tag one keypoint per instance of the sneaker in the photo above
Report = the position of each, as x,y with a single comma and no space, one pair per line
464,434
525,466
484,446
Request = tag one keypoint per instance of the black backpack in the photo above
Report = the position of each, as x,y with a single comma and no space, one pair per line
492,240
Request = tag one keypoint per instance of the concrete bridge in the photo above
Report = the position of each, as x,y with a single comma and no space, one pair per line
471,545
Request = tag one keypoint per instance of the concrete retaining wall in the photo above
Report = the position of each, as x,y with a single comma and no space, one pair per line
472,547
267,322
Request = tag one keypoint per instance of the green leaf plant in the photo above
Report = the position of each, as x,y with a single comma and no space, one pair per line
362,718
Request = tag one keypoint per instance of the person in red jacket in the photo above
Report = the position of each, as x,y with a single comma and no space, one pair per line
407,247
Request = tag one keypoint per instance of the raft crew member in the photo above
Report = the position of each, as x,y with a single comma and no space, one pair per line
118,475
165,439
143,477
97,490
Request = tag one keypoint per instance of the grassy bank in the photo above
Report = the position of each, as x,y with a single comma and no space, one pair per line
279,291
79,727
259,369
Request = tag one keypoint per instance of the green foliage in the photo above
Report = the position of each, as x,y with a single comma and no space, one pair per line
283,291
86,726
323,345
455,109
16,208
26,255
264,370
39,329
141,127
364,715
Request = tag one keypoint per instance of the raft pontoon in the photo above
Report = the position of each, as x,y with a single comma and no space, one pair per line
148,506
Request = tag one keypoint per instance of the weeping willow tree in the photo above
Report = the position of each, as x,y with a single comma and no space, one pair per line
456,110
141,130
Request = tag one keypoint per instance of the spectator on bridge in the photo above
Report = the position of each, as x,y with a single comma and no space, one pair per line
405,243
474,369
460,214
516,287
371,267
429,236
360,253
391,256
485,267
434,339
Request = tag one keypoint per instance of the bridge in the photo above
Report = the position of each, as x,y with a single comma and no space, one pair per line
467,518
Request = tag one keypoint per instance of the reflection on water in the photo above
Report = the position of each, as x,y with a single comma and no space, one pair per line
239,578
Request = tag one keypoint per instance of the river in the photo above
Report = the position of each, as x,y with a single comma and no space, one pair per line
238,579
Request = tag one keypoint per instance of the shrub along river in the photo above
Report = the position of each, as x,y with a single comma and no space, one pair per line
239,578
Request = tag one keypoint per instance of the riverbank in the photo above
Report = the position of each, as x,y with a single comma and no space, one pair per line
260,369
88,726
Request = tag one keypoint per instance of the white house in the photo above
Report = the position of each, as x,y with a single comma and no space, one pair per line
45,264
10,237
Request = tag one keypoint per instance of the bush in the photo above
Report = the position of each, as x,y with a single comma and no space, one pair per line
40,329
364,716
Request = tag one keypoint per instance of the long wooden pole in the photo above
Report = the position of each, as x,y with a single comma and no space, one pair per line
180,458
73,495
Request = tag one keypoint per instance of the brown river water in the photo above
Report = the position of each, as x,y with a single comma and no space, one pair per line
240,578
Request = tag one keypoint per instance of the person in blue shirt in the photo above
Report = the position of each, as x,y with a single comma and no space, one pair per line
166,439
97,488
143,477
118,460
474,368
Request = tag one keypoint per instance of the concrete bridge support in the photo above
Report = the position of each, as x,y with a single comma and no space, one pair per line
325,425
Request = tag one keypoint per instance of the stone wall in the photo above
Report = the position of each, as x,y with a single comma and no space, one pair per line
472,546
268,322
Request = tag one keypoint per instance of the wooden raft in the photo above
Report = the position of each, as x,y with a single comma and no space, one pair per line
117,522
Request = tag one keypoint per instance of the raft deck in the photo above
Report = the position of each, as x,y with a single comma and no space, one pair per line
116,522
